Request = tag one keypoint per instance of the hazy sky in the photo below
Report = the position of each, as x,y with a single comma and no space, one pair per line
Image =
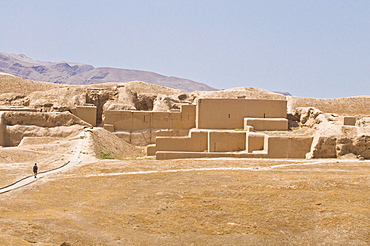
310,48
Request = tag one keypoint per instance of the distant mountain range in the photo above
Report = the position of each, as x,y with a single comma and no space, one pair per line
81,74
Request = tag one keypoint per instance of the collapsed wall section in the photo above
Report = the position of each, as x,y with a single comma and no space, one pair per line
50,119
15,134
15,125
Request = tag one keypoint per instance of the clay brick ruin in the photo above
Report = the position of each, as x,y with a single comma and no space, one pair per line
214,128
237,123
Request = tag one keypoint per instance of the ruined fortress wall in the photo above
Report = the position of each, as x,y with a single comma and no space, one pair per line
137,120
231,144
87,113
196,142
342,106
15,134
50,119
148,136
255,141
230,113
2,131
14,125
274,147
287,147
266,124
141,120
221,141
162,120
121,120
188,115
200,141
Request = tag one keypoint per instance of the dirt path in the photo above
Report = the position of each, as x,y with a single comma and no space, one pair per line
254,168
29,179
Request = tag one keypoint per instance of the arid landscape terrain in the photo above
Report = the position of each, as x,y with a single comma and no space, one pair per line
111,193
141,201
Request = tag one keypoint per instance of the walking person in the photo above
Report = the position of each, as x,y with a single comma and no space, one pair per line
35,168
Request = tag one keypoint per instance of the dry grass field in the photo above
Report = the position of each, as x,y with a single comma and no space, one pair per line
192,202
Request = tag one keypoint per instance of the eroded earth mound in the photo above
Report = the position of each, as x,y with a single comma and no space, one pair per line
108,146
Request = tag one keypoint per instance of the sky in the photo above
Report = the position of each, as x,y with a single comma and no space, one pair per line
309,48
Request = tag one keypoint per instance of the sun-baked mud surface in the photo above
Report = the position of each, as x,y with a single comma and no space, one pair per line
194,202
48,153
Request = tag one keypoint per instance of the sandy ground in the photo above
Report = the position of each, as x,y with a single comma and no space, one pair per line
190,202
48,153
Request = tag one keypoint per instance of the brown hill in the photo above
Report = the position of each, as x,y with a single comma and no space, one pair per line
13,84
83,74
142,87
343,106
240,92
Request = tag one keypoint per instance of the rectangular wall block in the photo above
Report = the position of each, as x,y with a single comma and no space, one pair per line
230,113
287,147
226,141
87,113
196,142
348,120
139,120
255,141
266,124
